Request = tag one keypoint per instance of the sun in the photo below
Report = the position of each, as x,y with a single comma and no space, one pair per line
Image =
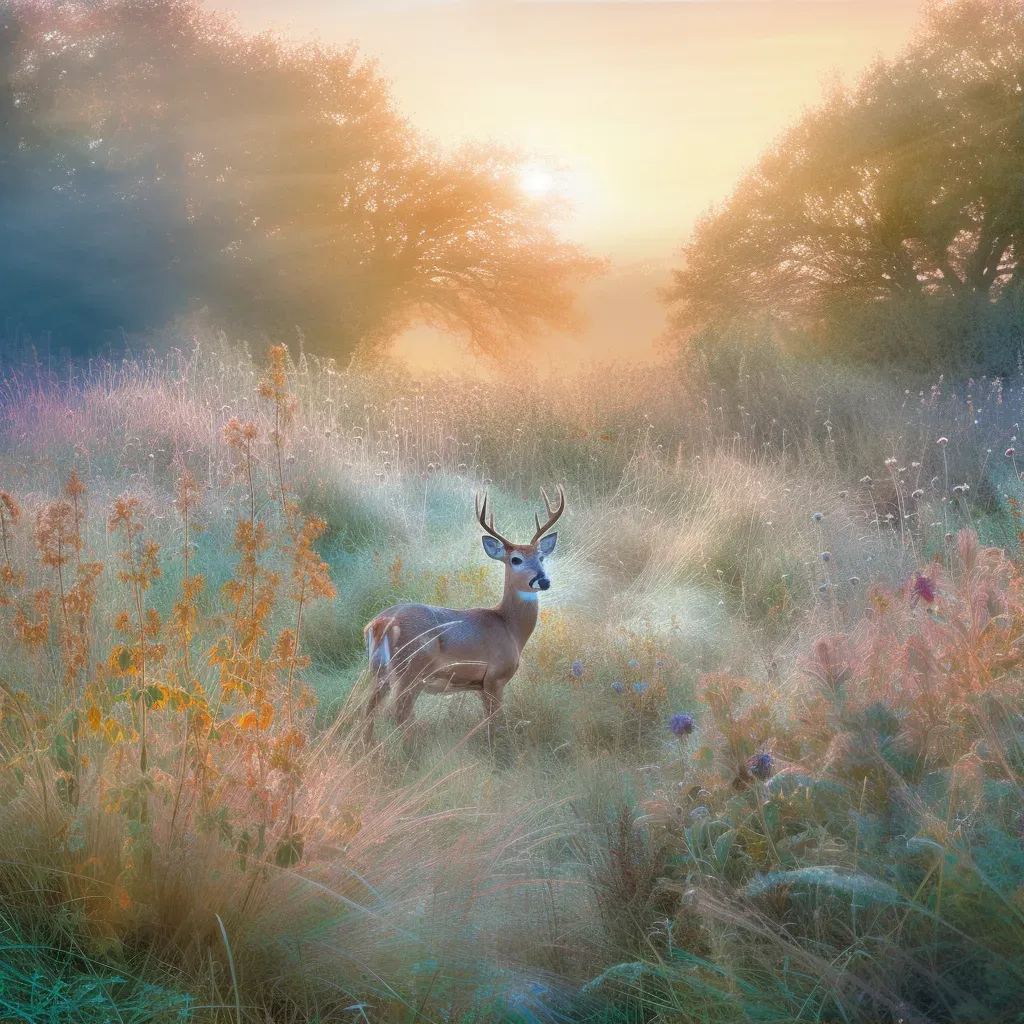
537,180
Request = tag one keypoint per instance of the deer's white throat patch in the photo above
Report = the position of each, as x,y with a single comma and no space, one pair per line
528,595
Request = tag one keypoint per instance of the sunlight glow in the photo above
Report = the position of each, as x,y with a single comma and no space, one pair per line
537,181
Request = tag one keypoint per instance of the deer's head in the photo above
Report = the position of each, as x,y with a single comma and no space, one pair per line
524,563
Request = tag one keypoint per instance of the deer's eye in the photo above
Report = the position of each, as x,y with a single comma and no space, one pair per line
516,560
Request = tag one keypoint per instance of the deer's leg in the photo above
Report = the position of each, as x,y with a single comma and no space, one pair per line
404,719
491,695
381,686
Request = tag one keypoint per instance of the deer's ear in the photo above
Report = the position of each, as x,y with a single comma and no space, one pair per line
494,548
547,545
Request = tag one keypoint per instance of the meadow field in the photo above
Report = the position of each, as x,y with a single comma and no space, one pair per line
763,759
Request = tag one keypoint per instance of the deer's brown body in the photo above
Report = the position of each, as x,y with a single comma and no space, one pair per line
418,648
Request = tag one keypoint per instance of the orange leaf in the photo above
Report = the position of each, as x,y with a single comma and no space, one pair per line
95,718
248,720
266,715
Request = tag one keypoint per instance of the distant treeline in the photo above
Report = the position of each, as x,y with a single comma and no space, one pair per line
155,160
887,226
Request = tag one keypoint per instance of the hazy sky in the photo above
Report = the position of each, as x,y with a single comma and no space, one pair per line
657,107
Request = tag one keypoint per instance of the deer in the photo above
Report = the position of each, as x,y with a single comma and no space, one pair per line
417,648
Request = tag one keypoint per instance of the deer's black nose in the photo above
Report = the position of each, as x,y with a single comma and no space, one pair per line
540,582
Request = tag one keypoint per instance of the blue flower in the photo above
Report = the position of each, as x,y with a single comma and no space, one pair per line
577,669
826,556
762,766
681,725
633,663
660,663
617,686
640,687
818,516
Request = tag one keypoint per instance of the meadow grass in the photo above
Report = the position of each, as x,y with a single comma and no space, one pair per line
818,567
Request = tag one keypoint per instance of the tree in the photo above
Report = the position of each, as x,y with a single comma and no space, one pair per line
158,159
908,188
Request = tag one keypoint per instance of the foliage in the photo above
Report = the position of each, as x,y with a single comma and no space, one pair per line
319,209
738,780
894,199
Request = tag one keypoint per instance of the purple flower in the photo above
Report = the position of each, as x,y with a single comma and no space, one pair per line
640,687
681,725
617,686
924,588
577,669
634,664
762,766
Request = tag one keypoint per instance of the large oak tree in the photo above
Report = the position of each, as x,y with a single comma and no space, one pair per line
154,158
908,188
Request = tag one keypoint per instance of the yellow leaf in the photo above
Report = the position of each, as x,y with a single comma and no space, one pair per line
248,720
95,718
112,727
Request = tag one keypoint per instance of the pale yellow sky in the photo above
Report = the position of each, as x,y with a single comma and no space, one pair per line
657,107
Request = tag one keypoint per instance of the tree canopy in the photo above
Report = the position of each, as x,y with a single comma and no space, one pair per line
155,159
906,190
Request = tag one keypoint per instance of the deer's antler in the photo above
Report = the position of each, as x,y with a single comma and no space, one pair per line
553,514
481,514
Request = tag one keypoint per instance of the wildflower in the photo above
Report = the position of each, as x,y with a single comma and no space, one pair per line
577,669
633,663
890,462
681,725
918,493
640,687
915,465
660,663
818,516
762,766
925,589
826,556
823,588
865,479
942,442
1010,452
948,538
617,686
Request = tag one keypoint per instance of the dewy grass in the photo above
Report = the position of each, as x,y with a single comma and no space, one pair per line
738,780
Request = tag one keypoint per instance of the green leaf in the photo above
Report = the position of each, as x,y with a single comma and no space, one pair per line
63,753
828,878
723,846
